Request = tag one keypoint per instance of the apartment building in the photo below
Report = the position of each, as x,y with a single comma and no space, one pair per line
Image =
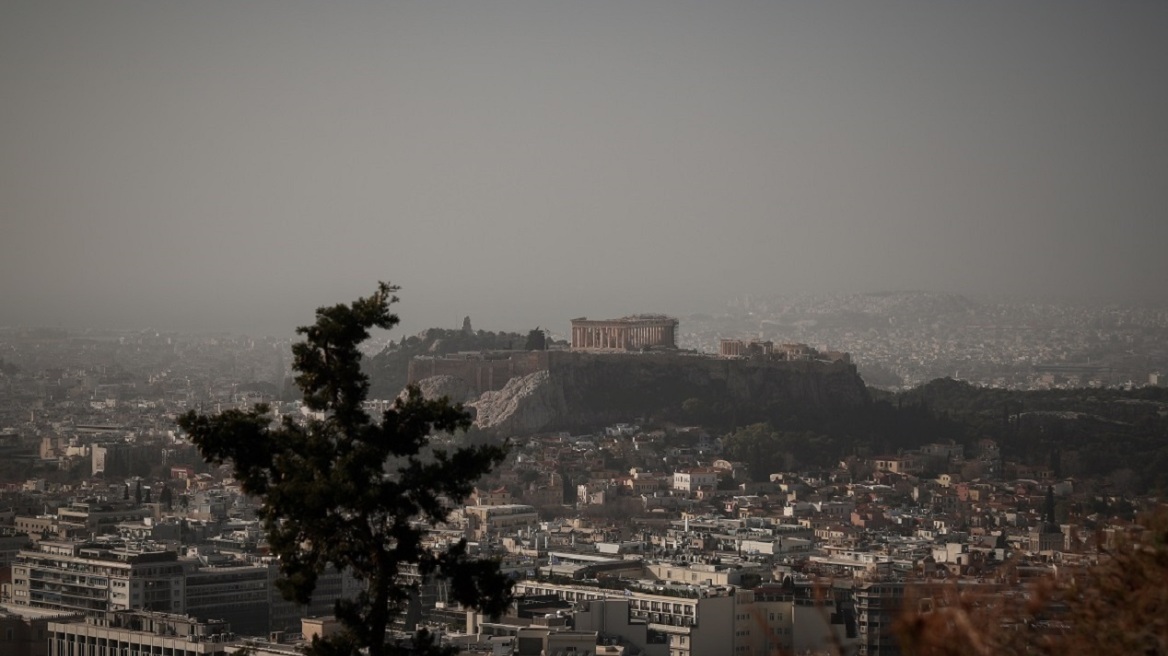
498,520
698,620
89,577
94,518
692,480
777,619
695,573
877,604
613,624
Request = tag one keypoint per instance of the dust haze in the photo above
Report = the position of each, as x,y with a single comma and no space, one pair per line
231,166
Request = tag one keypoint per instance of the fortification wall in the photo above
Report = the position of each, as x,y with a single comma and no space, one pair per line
485,372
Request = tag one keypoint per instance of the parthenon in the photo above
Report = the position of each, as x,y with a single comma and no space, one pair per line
624,334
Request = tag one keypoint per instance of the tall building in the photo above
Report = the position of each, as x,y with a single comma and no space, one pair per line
877,603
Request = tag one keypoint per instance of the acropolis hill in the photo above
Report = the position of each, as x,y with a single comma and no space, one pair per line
623,369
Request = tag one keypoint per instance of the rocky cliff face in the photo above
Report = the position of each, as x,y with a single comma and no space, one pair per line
527,404
581,390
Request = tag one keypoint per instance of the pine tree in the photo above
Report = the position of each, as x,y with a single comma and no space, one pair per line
356,493
536,340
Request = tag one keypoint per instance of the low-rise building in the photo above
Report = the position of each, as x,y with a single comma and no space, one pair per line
138,633
697,619
693,479
500,520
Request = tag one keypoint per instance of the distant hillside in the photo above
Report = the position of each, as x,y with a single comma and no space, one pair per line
903,339
1081,432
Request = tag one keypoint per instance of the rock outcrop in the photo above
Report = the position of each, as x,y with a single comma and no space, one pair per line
452,387
527,404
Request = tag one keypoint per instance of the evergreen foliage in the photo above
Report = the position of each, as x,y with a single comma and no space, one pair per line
1081,432
536,340
352,492
1117,435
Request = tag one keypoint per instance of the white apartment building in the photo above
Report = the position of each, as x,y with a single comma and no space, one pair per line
698,620
691,480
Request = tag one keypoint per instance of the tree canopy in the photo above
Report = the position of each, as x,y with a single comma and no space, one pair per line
536,340
358,494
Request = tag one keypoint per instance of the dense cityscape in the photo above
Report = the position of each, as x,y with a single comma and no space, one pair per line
646,536
904,339
605,328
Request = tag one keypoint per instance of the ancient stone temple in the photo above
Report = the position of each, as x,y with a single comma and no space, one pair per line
626,334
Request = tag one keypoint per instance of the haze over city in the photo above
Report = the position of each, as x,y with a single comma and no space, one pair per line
228,167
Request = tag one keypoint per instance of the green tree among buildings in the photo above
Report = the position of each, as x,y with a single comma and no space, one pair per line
354,491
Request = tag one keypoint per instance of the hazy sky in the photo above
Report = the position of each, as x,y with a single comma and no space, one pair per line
233,165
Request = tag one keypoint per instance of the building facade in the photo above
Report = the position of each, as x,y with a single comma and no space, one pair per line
626,334
503,519
697,620
25,632
241,595
136,633
81,577
877,604
693,479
